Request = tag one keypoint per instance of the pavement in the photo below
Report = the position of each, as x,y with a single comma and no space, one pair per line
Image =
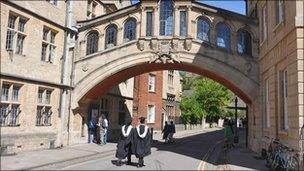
238,158
193,150
57,158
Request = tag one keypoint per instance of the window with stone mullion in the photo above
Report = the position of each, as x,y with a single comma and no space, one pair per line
203,30
166,18
130,30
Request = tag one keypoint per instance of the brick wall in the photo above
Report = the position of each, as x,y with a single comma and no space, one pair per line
148,98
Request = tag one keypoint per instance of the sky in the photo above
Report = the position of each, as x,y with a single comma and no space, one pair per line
231,5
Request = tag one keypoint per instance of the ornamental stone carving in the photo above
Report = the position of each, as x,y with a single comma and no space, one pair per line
164,54
141,45
188,44
85,66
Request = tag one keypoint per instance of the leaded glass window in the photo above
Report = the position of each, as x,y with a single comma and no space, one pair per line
92,42
203,30
166,18
130,30
183,24
223,36
111,36
243,42
149,25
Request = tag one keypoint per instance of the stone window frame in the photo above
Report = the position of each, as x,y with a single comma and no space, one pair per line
16,32
48,46
267,104
247,44
166,10
111,36
151,83
279,11
91,7
130,29
183,31
10,107
151,115
53,2
171,77
92,42
264,14
200,29
149,23
223,31
44,107
283,99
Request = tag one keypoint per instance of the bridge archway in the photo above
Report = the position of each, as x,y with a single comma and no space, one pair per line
97,72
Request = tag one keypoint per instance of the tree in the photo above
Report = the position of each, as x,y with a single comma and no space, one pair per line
209,99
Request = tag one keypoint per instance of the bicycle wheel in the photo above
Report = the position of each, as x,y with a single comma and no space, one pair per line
293,164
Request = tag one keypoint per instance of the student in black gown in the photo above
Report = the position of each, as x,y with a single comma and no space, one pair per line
124,145
142,142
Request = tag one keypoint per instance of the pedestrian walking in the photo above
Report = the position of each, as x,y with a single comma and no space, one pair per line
91,131
228,133
165,132
142,142
104,129
171,131
98,130
124,145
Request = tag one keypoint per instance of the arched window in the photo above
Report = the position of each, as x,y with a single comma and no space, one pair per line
223,36
92,42
203,30
130,30
166,18
111,36
243,42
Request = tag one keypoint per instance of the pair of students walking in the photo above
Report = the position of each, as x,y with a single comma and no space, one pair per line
168,132
134,140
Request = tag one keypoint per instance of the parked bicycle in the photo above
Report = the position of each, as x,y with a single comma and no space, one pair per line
281,157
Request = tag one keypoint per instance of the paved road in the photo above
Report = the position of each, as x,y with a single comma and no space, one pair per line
185,154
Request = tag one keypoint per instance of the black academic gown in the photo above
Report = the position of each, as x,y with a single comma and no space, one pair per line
124,145
141,146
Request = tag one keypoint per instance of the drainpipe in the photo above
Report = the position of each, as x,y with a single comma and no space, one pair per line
63,95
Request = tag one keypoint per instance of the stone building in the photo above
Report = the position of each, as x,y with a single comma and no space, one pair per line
37,52
61,57
172,90
281,70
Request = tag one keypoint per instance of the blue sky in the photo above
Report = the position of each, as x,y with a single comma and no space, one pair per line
231,5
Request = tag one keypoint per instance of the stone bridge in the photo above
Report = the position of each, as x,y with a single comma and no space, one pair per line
161,35
167,34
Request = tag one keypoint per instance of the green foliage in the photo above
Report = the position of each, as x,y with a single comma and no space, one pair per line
209,99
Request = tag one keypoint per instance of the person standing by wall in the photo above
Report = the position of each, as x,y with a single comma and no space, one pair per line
142,142
104,126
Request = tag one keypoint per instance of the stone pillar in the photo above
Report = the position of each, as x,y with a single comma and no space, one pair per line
143,22
120,36
190,30
176,21
233,41
155,21
213,34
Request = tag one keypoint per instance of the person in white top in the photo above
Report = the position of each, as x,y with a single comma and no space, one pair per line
104,129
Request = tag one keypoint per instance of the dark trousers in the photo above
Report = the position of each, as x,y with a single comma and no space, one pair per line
141,161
